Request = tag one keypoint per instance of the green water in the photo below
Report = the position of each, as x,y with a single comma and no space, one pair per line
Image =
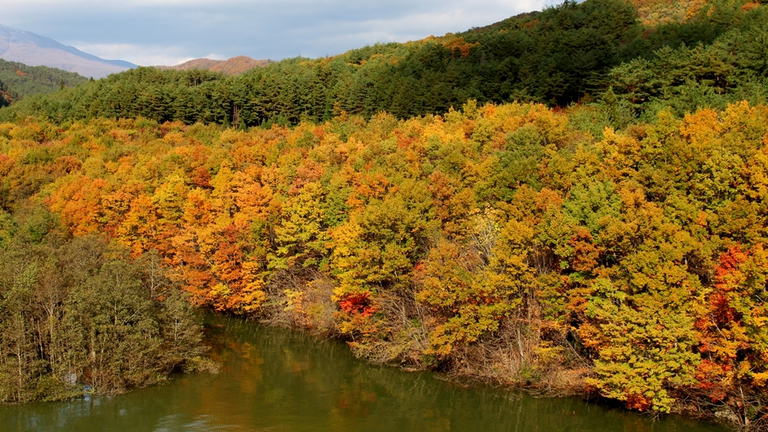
282,380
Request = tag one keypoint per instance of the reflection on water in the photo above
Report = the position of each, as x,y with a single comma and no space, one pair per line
281,380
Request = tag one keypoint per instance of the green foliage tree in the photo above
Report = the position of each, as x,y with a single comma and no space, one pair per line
75,313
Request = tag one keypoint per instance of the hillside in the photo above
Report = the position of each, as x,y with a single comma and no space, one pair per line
234,66
572,53
35,50
573,201
501,242
18,80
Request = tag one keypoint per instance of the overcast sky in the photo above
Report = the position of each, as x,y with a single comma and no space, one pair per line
152,32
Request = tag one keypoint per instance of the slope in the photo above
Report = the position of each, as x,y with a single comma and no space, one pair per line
233,66
574,53
19,80
35,50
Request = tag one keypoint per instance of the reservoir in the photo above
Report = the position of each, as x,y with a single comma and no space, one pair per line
275,379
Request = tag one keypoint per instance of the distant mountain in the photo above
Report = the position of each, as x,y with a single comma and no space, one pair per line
35,50
233,66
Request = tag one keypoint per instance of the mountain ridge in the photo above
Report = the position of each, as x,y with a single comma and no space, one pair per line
35,50
233,66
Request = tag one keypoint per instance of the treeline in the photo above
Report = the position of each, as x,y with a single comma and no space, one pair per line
566,54
18,80
79,316
504,241
733,67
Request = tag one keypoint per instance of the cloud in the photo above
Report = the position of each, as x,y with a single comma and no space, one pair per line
167,31
146,55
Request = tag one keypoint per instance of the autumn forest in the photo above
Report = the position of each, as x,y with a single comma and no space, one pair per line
480,204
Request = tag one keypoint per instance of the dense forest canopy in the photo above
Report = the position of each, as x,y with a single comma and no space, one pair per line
571,53
504,241
604,234
19,80
79,315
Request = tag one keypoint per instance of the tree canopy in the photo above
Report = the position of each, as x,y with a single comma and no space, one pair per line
605,233
566,54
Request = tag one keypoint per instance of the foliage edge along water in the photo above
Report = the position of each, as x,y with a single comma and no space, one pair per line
279,378
602,235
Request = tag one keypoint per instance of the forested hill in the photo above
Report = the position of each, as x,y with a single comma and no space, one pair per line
232,66
597,50
18,80
607,236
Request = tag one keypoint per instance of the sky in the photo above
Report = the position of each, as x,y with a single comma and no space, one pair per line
169,32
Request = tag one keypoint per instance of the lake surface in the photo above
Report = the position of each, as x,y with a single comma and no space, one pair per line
283,380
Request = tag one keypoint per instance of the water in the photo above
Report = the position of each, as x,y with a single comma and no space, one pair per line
282,380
